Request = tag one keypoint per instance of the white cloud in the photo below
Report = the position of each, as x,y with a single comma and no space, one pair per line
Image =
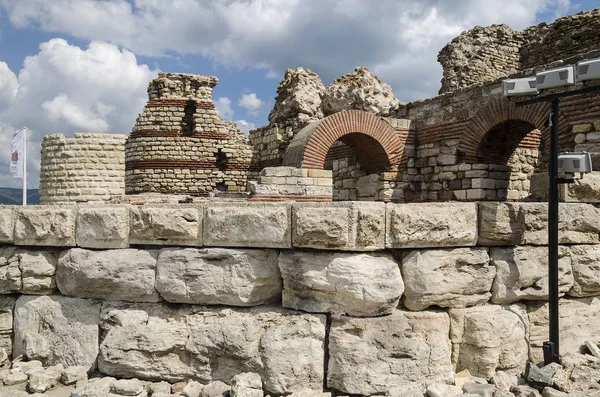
251,103
67,89
331,37
223,107
245,126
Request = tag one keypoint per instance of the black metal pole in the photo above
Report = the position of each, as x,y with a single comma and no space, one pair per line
551,348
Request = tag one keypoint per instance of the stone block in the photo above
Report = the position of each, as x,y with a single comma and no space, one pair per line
120,274
522,273
258,225
447,278
28,271
373,355
490,338
103,226
585,263
7,306
57,330
7,224
166,225
527,223
424,225
176,343
578,322
218,276
584,190
46,225
582,128
350,226
356,284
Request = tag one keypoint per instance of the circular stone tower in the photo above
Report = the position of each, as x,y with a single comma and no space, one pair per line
180,144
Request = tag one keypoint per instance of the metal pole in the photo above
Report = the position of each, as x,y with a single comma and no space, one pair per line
551,348
25,166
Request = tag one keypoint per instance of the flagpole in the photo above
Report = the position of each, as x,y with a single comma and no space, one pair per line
24,165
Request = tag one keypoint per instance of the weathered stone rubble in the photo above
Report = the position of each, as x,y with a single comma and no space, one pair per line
299,95
360,90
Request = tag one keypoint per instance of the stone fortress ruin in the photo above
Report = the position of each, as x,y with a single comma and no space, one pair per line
356,245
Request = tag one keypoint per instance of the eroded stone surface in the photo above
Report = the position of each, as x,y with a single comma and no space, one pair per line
299,95
7,223
489,338
57,330
426,225
218,276
166,225
103,227
29,271
121,274
527,223
585,263
46,225
158,341
578,323
360,90
358,284
447,278
348,226
374,355
260,225
7,305
522,273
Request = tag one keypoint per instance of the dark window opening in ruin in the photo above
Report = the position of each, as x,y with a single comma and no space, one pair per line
509,156
356,161
188,124
221,187
222,160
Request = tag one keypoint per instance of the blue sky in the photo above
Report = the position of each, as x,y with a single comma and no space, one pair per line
84,65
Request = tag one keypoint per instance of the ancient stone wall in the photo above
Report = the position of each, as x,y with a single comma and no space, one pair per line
359,298
89,167
180,144
487,53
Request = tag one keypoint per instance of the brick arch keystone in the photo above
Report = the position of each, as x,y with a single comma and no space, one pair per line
502,110
309,147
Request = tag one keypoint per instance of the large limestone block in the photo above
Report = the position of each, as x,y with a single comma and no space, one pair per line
522,273
175,343
584,190
527,223
585,262
121,274
218,276
357,284
490,338
103,227
578,323
57,330
350,226
424,225
258,225
46,225
373,355
447,278
166,225
29,271
7,223
7,306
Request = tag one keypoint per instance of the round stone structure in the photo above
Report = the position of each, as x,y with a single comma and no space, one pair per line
180,144
90,167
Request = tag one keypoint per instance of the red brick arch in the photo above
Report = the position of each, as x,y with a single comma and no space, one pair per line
364,131
500,111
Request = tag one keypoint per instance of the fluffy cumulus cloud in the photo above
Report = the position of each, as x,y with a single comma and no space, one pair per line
245,126
223,107
64,88
251,103
397,40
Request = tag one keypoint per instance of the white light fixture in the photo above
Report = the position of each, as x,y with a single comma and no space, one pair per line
519,87
588,70
570,163
553,78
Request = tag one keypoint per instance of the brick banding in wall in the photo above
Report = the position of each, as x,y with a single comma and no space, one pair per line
501,111
202,165
154,103
376,139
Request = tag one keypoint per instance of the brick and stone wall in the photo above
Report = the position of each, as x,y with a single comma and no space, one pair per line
358,298
180,144
487,53
89,167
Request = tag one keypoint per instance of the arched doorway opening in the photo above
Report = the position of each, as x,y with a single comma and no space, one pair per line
513,151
